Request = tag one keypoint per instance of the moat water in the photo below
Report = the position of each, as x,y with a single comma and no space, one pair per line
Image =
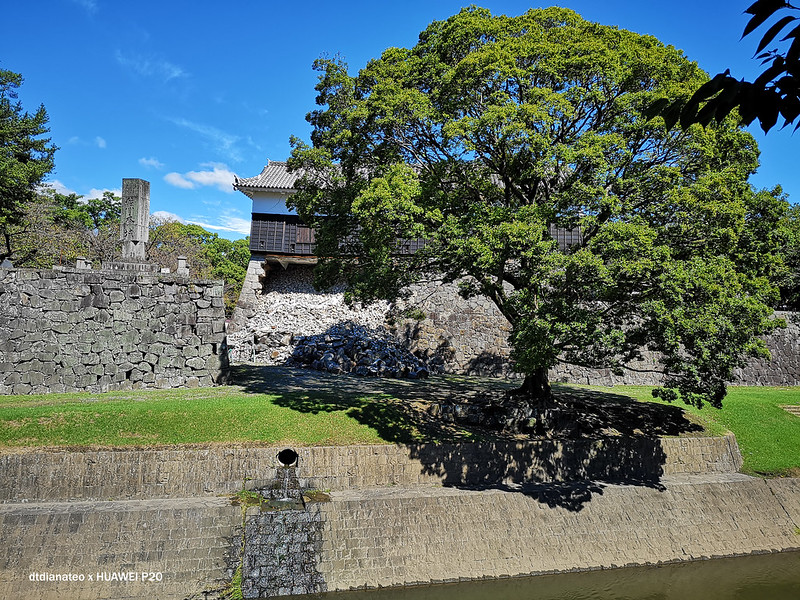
759,577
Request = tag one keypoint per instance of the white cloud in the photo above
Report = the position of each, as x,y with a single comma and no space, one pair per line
178,180
223,142
101,143
151,162
219,177
59,187
150,66
96,193
226,223
164,216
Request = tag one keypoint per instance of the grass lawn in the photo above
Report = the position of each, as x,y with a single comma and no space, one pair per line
282,407
158,417
285,406
768,435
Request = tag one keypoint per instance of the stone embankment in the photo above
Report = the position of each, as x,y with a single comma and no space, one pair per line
395,516
81,329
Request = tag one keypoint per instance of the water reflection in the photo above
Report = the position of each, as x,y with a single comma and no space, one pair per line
760,577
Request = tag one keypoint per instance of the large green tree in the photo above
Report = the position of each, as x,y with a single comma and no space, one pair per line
491,130
789,283
26,157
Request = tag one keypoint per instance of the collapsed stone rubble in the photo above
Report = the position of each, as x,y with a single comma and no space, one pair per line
353,348
290,309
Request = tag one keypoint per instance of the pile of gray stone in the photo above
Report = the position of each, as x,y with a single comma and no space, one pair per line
289,309
356,349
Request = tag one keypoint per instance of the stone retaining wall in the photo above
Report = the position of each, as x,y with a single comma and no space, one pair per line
454,335
138,474
174,549
398,515
417,536
78,329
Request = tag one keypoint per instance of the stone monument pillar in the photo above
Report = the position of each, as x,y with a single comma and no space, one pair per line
134,218
134,228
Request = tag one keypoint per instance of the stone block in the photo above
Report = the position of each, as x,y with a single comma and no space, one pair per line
196,363
212,363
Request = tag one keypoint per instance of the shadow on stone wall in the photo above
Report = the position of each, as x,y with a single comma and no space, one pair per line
616,440
559,473
490,364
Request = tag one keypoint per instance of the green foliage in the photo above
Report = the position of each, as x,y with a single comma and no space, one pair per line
234,589
775,93
209,256
93,214
790,279
55,229
246,498
25,156
493,130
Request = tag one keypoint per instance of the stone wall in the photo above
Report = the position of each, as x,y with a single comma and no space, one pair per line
195,472
398,515
282,553
453,335
422,536
186,549
77,329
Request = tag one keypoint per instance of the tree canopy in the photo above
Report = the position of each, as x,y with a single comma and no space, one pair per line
54,229
26,157
491,130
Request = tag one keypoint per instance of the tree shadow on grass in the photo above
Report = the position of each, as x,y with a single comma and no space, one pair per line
395,409
612,439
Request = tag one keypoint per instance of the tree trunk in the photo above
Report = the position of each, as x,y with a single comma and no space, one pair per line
536,387
7,254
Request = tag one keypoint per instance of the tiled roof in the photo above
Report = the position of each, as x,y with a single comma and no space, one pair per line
274,176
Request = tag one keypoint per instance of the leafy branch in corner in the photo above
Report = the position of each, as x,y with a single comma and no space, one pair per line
775,93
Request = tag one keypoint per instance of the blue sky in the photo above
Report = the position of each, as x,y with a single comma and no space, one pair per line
184,94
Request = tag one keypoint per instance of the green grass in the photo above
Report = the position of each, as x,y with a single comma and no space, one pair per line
768,435
150,417
275,406
284,406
